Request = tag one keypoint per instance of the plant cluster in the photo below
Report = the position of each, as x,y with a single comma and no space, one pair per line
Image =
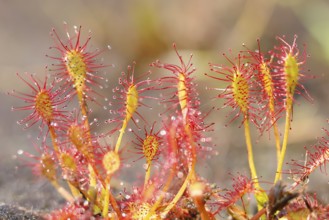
85,169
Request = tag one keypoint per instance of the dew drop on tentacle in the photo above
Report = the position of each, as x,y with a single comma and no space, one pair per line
145,166
163,132
54,124
86,203
180,174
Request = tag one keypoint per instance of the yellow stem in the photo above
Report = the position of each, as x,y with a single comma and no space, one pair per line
200,204
93,186
87,196
92,183
91,166
172,173
74,190
275,127
163,192
62,191
147,174
277,140
285,141
109,199
191,176
84,112
53,137
260,194
179,193
193,150
122,131
106,197
250,152
93,173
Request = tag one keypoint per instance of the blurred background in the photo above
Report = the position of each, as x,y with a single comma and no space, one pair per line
144,31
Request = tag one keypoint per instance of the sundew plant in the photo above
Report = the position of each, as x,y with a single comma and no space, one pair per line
85,167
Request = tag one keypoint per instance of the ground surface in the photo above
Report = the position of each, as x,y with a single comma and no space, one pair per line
19,188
